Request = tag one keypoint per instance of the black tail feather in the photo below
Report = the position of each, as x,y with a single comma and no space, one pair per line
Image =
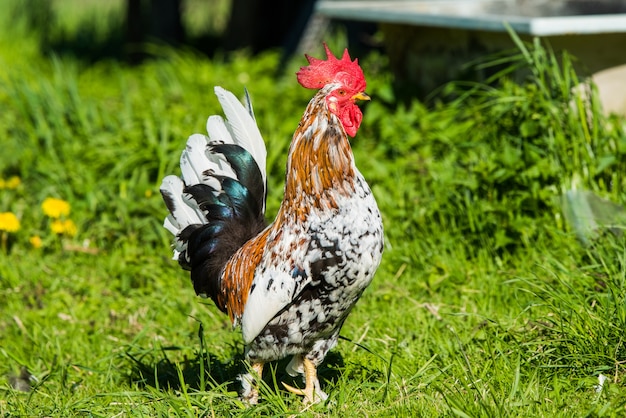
237,196
248,173
218,203
234,216
203,194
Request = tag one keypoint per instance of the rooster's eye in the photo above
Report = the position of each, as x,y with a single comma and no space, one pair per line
342,92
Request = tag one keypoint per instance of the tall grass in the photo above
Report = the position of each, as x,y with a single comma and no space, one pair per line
501,154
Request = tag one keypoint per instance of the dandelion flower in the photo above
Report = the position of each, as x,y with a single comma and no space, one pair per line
9,222
55,208
57,227
35,241
13,182
70,228
66,227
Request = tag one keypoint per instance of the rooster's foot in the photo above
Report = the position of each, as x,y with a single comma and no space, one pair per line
249,384
312,392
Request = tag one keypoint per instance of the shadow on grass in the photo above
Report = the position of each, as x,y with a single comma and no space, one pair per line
165,373
205,371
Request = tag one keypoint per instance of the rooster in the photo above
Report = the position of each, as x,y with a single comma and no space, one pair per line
291,284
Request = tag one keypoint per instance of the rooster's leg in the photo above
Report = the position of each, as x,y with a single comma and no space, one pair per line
312,392
250,384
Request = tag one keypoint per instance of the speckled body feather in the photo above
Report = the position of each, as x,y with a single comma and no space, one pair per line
292,284
322,250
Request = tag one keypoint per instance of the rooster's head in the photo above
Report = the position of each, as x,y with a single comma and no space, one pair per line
347,85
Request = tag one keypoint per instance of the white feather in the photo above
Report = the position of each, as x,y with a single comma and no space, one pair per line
187,170
194,159
264,303
183,214
217,130
198,164
171,225
219,134
199,217
295,366
243,128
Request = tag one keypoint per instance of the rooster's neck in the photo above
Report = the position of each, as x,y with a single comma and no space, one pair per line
320,167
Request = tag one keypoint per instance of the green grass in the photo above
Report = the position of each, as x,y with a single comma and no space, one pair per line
485,304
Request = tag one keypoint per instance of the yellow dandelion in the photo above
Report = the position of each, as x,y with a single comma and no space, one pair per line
66,227
35,241
58,227
55,208
13,182
70,228
3,184
9,222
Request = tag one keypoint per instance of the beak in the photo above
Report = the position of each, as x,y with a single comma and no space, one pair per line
361,96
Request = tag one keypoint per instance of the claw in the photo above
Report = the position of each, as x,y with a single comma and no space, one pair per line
312,392
293,390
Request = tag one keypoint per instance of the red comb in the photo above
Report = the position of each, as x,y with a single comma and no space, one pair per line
321,72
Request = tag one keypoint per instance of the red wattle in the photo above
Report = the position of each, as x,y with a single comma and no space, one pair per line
351,118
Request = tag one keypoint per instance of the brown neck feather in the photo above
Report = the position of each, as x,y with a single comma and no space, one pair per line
320,165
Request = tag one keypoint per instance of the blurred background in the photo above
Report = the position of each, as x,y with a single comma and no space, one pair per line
120,28
428,43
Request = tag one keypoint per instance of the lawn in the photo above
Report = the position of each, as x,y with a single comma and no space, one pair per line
486,302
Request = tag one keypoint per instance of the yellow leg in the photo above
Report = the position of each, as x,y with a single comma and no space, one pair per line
250,384
312,392
258,369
